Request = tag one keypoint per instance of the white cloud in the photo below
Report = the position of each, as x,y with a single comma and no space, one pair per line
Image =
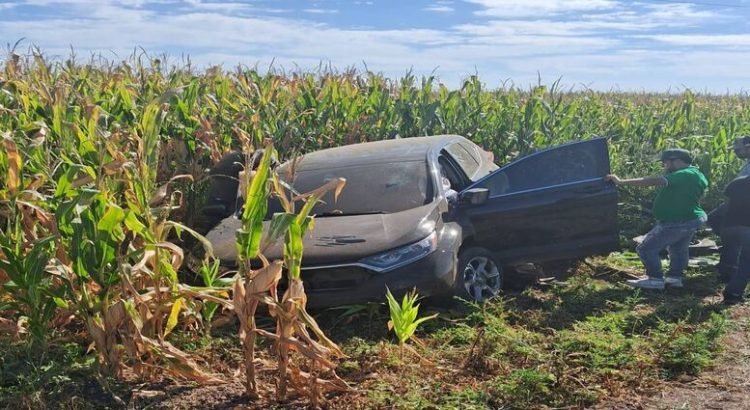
219,7
678,11
604,43
321,11
440,9
535,8
718,40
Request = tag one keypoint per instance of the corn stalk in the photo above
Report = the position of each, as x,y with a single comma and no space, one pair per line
293,324
251,285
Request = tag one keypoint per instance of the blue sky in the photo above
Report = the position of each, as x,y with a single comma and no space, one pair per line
649,45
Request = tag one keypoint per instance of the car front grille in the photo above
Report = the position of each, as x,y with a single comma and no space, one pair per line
334,278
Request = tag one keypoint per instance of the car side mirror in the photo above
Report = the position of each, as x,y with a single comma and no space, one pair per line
475,196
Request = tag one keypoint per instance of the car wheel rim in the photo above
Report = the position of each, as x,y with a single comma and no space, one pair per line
482,278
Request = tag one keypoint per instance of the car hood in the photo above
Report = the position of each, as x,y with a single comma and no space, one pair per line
340,239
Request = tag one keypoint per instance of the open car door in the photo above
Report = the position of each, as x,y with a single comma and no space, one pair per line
552,204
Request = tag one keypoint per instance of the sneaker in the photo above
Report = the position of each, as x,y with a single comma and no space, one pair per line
646,283
673,282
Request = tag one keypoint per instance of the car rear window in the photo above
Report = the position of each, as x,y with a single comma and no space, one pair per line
370,188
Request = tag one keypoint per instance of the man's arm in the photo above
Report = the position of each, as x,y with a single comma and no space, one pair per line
642,182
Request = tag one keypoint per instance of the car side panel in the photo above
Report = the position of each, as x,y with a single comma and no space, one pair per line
556,220
555,223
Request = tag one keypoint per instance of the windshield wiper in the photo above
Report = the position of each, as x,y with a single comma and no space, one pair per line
342,213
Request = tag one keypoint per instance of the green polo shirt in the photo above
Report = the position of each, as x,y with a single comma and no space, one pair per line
679,200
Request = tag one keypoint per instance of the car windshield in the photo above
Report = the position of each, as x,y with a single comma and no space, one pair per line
371,188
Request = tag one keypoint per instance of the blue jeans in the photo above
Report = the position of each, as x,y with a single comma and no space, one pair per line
675,237
739,236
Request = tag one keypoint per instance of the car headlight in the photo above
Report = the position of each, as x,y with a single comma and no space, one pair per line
402,256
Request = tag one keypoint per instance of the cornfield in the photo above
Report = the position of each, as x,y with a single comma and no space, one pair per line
104,169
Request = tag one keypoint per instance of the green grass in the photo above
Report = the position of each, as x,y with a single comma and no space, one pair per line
571,344
586,337
58,378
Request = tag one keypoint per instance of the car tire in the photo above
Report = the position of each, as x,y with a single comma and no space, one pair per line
478,276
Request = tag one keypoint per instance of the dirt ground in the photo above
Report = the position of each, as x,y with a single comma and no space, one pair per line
725,386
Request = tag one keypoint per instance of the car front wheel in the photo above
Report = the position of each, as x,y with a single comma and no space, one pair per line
479,277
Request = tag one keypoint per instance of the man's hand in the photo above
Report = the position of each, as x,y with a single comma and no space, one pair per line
641,182
613,178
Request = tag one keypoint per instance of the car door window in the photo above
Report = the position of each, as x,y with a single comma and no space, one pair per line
448,170
464,158
553,167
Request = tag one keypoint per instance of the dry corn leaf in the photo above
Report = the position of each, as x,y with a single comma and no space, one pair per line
35,184
115,166
337,384
111,168
322,338
296,344
179,363
242,136
148,261
239,298
81,181
97,333
177,253
162,192
13,180
336,184
10,327
145,259
265,278
205,295
295,292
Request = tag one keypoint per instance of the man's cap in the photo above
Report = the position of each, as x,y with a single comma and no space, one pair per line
676,153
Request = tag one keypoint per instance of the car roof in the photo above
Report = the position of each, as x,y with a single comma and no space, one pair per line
376,152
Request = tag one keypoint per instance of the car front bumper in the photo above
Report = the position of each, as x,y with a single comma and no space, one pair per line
350,284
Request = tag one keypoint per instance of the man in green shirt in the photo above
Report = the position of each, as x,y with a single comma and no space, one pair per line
678,216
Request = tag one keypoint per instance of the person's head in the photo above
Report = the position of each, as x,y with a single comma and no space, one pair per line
741,147
675,159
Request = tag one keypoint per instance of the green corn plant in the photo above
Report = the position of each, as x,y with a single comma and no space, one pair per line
95,228
32,288
404,320
27,245
251,284
211,275
120,267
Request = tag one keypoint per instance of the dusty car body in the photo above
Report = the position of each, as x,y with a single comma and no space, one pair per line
435,213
